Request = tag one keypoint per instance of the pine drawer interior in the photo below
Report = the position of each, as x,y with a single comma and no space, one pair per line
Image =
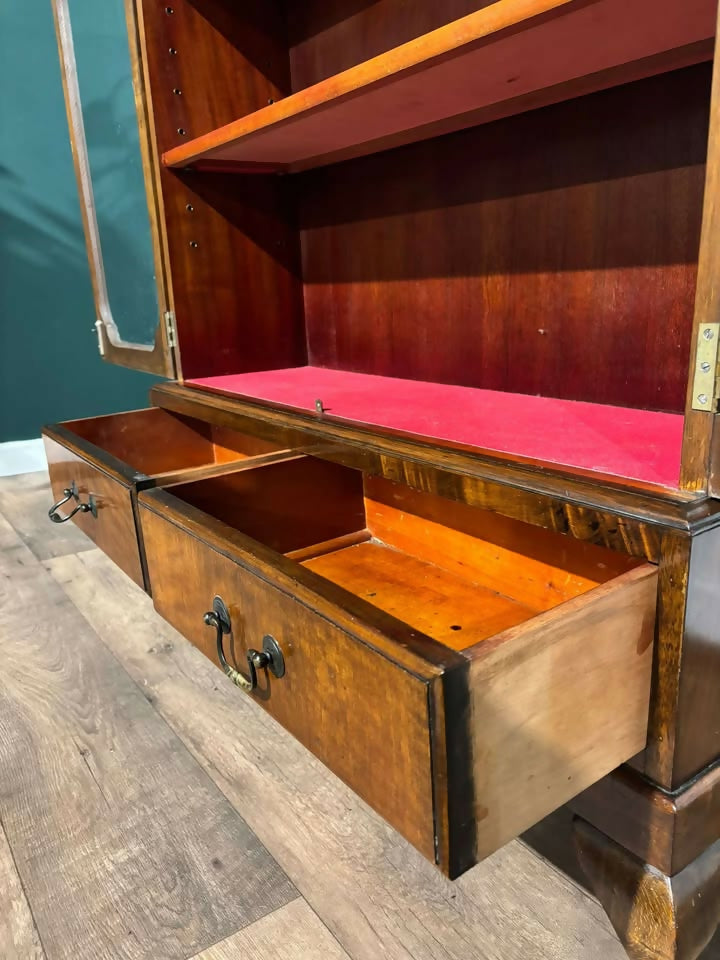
455,573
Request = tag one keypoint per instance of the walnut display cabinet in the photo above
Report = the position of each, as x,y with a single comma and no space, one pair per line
432,477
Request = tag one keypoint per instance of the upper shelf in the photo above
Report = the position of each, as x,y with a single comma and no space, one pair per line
510,56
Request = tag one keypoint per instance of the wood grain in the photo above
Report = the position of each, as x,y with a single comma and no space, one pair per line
446,607
286,505
329,36
700,460
398,257
362,715
19,938
597,510
154,442
375,893
113,529
559,702
526,714
292,932
102,805
664,830
657,917
657,762
697,721
536,568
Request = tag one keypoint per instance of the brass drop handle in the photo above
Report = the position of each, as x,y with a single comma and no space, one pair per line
269,658
71,493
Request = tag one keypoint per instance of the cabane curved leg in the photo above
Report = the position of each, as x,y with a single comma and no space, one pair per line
655,916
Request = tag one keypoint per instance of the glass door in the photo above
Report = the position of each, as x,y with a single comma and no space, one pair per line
117,181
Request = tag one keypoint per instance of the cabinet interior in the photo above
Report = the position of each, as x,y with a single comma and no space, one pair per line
456,573
547,250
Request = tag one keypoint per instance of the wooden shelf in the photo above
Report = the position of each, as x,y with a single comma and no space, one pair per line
510,56
640,445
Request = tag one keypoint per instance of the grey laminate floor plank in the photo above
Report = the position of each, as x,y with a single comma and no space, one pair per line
19,938
125,847
293,932
377,895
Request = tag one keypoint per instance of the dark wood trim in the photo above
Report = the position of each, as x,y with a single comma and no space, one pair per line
697,719
698,440
452,771
666,830
658,759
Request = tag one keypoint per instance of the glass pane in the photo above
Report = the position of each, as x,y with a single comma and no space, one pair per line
104,73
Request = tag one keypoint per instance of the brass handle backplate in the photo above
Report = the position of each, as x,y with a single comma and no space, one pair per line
71,493
269,658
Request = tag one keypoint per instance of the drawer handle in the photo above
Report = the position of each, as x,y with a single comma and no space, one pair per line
269,658
71,493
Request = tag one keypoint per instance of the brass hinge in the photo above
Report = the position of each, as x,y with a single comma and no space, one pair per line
705,381
170,328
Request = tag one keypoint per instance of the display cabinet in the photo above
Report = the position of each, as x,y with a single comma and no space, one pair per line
433,475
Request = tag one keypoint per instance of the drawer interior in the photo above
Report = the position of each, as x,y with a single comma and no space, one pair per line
456,573
160,444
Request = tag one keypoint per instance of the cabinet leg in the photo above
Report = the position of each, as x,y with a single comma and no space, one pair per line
656,917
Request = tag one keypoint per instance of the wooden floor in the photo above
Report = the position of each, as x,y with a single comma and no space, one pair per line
149,810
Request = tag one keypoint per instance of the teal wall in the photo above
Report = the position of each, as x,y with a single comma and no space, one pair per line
50,368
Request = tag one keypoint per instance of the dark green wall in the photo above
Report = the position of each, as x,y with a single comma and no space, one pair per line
50,368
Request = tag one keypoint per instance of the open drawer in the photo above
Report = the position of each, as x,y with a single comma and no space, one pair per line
464,673
97,465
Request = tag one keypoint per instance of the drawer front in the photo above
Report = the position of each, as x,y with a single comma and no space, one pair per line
360,713
113,528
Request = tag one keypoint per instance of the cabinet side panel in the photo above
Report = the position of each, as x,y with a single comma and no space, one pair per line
232,242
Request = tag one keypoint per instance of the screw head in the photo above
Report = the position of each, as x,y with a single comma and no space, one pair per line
702,398
708,334
705,366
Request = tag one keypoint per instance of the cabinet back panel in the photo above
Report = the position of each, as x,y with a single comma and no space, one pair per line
327,36
552,253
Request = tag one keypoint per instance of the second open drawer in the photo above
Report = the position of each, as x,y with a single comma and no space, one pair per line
464,673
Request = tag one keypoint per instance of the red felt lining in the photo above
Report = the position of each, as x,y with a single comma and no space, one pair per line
634,444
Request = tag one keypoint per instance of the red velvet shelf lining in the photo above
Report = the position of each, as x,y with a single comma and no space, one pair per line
634,444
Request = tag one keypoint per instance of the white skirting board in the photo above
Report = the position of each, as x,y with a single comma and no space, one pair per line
21,456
